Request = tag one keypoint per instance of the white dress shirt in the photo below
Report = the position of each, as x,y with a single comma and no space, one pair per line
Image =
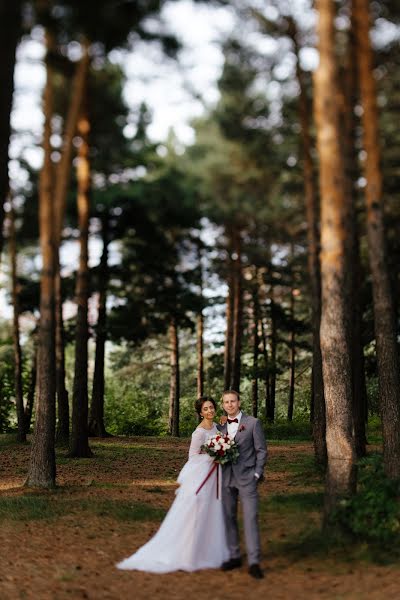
233,427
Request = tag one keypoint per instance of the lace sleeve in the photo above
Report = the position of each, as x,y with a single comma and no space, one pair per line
197,441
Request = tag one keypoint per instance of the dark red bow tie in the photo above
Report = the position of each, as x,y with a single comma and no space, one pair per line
233,421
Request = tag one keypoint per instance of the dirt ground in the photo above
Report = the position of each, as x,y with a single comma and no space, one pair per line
71,552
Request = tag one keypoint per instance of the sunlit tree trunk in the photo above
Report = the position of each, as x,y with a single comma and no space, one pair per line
384,315
237,313
96,418
335,348
10,30
273,338
79,443
19,397
313,245
266,366
63,173
42,467
174,388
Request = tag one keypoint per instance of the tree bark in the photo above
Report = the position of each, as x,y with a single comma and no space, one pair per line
63,172
271,407
266,368
79,443
19,397
42,467
96,418
229,320
335,348
314,271
292,348
384,314
200,335
174,390
10,31
256,342
237,330
30,401
349,93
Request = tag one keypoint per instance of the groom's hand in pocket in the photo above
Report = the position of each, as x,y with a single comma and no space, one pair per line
258,478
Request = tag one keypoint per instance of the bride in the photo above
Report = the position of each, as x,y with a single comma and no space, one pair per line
192,535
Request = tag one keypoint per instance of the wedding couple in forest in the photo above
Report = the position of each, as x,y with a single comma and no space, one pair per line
200,531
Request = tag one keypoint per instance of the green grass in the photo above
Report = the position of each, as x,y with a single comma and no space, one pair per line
32,507
300,502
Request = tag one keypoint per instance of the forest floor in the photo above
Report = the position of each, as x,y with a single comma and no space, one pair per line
64,544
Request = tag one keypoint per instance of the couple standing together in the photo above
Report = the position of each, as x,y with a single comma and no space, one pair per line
200,531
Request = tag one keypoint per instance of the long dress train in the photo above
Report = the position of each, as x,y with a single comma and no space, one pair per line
192,535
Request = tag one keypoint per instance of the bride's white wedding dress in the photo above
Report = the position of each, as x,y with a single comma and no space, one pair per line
192,535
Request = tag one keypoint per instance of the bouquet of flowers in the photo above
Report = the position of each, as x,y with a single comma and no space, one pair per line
222,447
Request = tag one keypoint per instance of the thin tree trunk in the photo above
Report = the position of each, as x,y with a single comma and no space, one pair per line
79,443
229,321
174,390
313,243
271,407
256,342
30,401
10,31
384,314
266,368
237,314
335,349
62,432
19,397
42,467
292,347
63,172
349,92
200,335
96,418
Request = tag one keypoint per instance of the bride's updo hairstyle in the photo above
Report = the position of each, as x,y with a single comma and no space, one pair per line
198,405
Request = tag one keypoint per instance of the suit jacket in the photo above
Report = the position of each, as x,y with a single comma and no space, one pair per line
252,446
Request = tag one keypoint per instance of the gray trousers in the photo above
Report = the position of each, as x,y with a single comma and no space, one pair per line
248,495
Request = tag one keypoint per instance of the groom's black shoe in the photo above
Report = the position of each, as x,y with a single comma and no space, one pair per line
255,571
232,563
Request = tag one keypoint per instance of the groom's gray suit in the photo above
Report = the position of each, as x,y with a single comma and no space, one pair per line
240,481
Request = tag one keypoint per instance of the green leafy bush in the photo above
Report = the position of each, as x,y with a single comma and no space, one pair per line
373,513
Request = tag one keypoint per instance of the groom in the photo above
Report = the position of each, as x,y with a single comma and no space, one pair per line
240,480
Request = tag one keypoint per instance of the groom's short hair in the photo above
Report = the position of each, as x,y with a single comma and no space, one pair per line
234,392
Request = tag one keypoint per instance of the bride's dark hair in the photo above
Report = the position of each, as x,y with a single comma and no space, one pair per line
198,405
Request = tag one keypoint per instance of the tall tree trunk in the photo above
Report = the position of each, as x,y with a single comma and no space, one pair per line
237,313
30,401
42,467
62,432
63,172
10,31
256,342
200,334
19,397
96,418
79,444
271,407
314,271
292,347
384,315
266,368
229,319
335,349
349,93
174,389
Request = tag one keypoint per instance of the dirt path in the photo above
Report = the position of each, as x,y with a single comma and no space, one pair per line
63,545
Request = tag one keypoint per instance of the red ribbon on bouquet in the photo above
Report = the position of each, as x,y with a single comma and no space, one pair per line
215,466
